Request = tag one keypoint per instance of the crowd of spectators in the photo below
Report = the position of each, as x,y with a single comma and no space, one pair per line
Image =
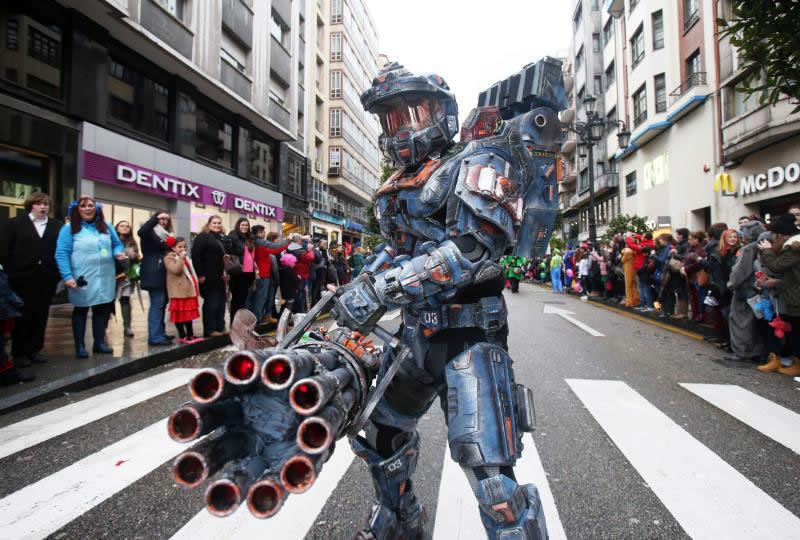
743,284
100,265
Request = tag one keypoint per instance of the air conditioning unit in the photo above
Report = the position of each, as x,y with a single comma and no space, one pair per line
318,166
333,171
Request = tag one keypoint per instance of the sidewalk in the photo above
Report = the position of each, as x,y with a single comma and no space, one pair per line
64,372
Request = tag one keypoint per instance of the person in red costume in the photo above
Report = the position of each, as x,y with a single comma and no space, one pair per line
641,244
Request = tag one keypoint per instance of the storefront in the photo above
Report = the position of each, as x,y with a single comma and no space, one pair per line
353,233
134,180
766,183
327,227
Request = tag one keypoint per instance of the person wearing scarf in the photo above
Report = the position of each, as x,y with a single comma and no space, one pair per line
85,253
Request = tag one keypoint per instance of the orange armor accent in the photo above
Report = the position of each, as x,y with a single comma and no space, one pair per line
399,180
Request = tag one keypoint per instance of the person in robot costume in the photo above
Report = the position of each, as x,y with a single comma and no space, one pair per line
449,213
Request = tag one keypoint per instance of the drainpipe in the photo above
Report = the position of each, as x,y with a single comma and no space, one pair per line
717,72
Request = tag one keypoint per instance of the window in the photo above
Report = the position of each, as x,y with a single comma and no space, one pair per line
596,42
277,90
336,46
336,11
296,175
231,52
576,19
693,65
334,156
640,106
43,47
336,84
137,102
260,158
608,31
637,46
738,103
630,184
12,34
611,75
634,3
279,31
660,83
658,30
214,140
174,6
336,123
691,13
579,59
598,85
595,5
583,180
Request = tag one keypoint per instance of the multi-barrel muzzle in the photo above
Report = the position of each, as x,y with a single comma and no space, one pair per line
281,370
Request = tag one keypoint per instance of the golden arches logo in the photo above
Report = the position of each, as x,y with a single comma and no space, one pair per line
723,182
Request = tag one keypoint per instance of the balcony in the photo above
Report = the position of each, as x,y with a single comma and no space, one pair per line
568,145
167,27
299,143
757,129
690,20
568,114
237,18
279,113
284,10
688,96
301,100
235,80
347,182
279,61
603,183
616,8
570,174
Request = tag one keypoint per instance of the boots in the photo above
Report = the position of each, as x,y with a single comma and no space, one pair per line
126,319
793,370
773,364
99,324
79,333
683,309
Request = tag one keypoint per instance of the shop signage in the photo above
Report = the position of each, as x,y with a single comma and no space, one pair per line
773,178
111,171
324,216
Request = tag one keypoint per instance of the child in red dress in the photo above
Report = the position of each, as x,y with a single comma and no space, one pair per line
182,289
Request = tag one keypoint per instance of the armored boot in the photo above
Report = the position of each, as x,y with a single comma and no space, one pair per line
397,514
509,510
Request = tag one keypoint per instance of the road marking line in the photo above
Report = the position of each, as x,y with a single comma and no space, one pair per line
45,426
776,422
565,314
41,508
708,497
294,520
457,514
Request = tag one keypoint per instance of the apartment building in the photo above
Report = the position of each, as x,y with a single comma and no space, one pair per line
700,152
149,104
588,77
345,144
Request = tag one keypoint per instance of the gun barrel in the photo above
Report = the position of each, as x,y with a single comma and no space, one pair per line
207,386
309,395
265,498
242,368
317,433
281,370
224,495
300,472
195,420
194,466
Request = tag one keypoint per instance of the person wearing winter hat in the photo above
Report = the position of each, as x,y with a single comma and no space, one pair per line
153,235
783,259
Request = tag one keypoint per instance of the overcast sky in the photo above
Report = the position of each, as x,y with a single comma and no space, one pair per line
471,43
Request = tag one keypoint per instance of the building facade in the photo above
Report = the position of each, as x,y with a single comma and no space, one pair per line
344,149
156,104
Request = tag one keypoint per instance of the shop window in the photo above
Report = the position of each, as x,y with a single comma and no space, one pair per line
137,102
214,139
637,47
34,64
630,184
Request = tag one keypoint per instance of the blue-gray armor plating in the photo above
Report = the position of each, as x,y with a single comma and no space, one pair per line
447,215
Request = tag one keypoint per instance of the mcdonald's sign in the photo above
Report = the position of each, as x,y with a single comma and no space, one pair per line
723,183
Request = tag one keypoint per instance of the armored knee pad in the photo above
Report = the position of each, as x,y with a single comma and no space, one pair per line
486,411
397,513
510,511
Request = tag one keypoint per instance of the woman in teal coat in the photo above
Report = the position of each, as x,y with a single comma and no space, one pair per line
85,253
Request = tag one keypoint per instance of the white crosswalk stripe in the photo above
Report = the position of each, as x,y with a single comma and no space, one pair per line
706,495
709,498
45,426
776,422
457,515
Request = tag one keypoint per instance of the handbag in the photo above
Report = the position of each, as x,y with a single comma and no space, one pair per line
232,265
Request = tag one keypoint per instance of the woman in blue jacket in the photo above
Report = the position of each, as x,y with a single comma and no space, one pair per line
85,254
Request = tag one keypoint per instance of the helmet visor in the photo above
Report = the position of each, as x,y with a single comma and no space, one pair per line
413,112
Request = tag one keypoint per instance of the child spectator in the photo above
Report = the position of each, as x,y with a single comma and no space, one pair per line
182,289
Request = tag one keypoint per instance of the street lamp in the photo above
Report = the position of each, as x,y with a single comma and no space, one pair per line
590,132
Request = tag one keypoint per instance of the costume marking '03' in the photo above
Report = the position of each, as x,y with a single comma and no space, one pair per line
448,214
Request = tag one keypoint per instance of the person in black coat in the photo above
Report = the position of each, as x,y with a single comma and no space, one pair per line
27,252
243,247
208,252
152,240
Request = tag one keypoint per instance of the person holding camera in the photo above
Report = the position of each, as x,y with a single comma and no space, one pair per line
153,235
85,253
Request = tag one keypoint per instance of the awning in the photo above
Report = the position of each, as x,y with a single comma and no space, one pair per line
353,226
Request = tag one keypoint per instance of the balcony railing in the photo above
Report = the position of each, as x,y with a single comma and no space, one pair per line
695,79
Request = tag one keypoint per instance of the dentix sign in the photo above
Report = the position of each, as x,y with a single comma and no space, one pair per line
772,179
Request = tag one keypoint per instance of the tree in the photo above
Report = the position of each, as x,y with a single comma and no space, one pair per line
557,243
624,223
767,37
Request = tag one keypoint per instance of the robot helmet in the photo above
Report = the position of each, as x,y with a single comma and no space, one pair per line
418,114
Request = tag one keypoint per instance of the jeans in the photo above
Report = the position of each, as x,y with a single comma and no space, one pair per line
645,294
303,298
257,298
213,308
555,277
156,331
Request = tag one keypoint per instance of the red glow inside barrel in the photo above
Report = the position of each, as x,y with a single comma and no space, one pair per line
278,371
241,368
306,396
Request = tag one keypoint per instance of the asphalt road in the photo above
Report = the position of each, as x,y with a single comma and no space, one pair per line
622,449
